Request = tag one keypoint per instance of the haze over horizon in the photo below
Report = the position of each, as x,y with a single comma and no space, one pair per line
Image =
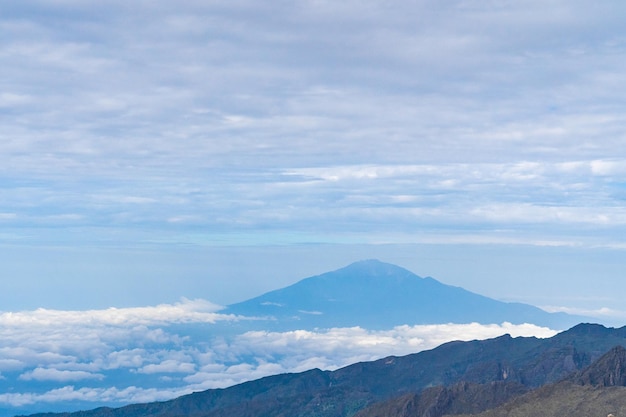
162,156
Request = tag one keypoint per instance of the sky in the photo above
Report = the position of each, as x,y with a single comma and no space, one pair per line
157,152
154,150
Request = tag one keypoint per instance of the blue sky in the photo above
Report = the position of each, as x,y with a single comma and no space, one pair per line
166,157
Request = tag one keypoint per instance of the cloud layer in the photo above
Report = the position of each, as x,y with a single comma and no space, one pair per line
118,356
312,120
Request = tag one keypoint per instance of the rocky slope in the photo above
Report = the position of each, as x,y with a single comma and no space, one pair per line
599,390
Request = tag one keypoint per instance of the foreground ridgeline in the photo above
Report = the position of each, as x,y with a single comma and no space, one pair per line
577,373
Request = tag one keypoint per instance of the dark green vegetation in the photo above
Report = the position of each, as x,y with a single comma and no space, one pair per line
455,378
378,295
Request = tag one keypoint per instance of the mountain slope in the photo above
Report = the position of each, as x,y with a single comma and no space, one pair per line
463,397
511,364
579,394
598,390
375,294
608,371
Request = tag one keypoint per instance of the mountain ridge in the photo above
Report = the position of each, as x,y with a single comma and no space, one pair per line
511,398
599,389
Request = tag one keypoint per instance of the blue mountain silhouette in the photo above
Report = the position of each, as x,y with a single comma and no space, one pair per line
375,295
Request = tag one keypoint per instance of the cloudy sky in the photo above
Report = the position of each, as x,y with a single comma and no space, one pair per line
161,158
153,150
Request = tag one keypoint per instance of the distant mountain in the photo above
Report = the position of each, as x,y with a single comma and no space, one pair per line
456,377
377,295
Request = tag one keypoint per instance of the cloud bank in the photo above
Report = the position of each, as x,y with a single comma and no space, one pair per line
90,356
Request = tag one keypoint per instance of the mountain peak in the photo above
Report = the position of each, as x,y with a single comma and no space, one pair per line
588,329
608,371
366,262
373,267
376,295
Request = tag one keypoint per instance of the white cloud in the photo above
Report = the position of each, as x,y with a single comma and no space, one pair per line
608,167
29,350
126,358
51,374
168,366
102,347
186,311
97,395
347,345
11,364
601,313
300,350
